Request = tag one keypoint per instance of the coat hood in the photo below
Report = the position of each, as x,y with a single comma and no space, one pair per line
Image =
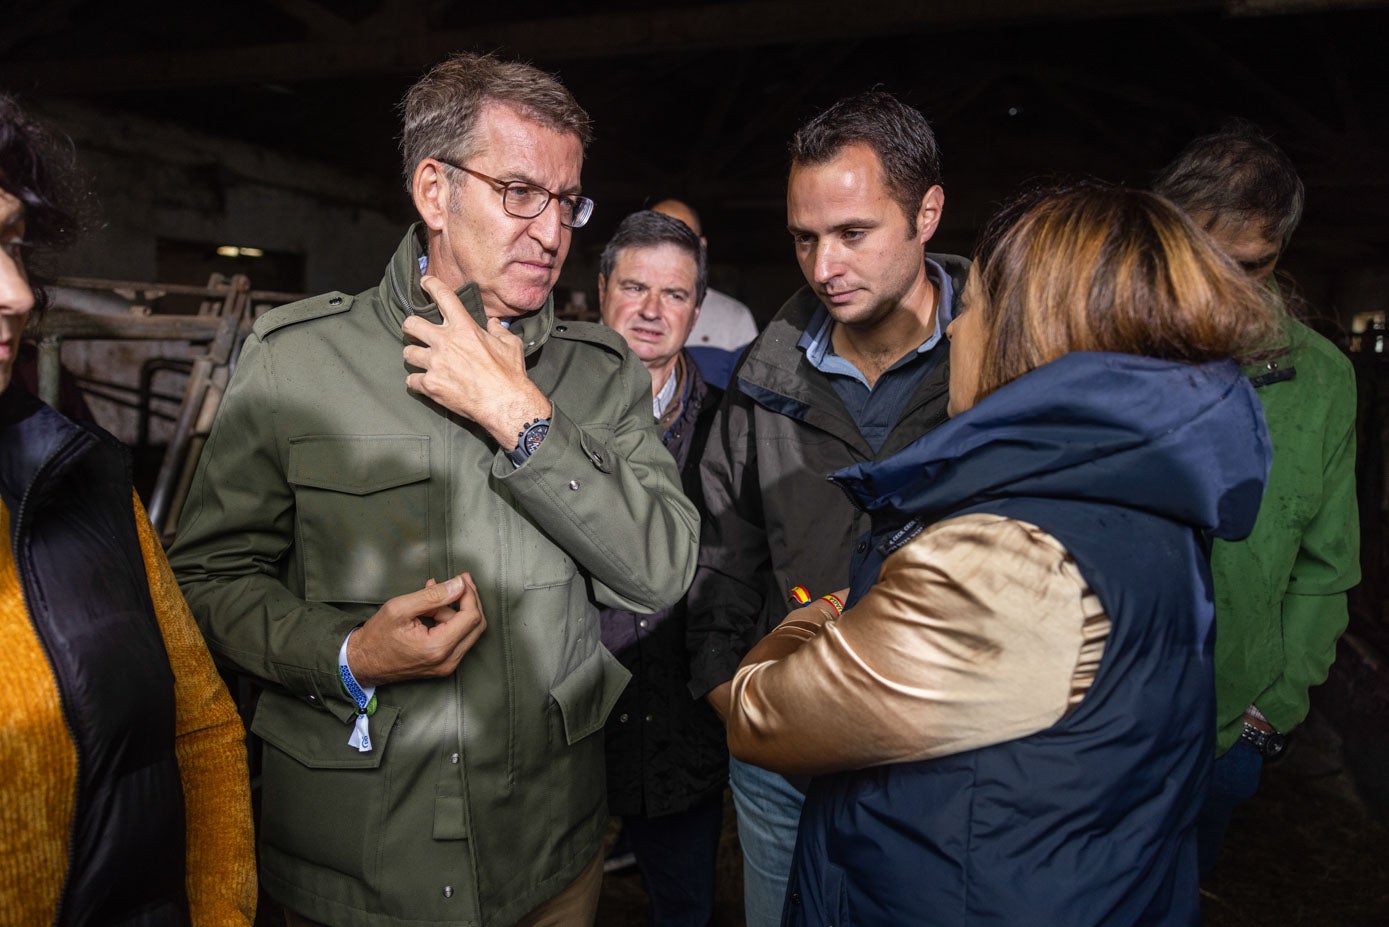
1186,442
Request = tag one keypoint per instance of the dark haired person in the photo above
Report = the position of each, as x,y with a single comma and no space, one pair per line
852,369
1280,594
666,758
124,797
424,763
1010,722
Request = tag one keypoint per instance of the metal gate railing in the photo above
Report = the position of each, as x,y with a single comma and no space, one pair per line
228,307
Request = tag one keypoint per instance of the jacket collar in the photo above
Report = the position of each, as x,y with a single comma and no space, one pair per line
776,374
688,401
401,293
36,444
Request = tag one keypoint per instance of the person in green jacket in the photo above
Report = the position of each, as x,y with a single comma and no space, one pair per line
1280,594
410,507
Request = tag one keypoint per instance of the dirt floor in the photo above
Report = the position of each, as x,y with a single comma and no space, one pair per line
1306,852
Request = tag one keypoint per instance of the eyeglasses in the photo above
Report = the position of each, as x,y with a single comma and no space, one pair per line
526,201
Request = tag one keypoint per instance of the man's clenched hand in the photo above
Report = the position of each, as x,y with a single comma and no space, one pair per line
395,644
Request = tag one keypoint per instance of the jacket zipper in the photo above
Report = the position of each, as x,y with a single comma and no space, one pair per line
399,294
67,451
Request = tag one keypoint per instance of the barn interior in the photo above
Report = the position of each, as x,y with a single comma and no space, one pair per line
241,155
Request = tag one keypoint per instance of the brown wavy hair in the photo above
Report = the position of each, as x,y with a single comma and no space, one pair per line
1097,267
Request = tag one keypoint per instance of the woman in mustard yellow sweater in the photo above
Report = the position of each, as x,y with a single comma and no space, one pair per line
123,790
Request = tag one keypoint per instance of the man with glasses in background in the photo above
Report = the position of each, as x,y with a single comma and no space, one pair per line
403,515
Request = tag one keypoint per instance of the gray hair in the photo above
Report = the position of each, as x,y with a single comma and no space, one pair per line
1236,175
442,108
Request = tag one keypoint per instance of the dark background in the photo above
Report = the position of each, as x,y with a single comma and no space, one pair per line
699,100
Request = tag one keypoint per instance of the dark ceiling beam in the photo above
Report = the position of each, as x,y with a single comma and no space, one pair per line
1240,74
1281,7
1334,63
1099,127
410,50
731,91
1139,95
964,92
817,72
320,21
36,20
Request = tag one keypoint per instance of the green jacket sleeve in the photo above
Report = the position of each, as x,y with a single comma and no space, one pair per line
235,528
1327,565
613,502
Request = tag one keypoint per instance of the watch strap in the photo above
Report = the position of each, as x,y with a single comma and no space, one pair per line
1269,743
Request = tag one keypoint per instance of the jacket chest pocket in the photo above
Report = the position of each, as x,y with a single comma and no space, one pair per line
361,515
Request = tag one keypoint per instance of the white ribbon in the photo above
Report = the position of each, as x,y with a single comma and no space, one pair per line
361,729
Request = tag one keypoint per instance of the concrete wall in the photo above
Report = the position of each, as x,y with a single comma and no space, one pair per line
157,180
152,180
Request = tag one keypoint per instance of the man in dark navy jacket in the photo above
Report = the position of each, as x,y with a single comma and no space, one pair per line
667,761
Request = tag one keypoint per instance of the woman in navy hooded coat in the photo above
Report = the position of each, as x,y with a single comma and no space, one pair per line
1011,721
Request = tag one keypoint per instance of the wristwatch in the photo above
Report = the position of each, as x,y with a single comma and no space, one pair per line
1270,743
532,433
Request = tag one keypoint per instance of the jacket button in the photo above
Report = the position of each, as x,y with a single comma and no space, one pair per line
796,898
448,891
573,484
335,301
561,328
861,546
649,719
622,718
643,624
453,758
313,699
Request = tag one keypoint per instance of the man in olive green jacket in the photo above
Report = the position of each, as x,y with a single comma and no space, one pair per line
424,764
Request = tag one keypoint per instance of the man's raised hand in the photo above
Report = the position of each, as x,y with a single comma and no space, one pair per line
477,373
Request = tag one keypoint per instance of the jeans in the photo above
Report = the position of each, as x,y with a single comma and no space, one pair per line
676,854
769,811
1234,780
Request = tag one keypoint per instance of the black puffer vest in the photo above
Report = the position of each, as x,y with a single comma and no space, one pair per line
77,552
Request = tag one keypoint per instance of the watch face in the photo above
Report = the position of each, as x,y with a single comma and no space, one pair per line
533,436
1269,743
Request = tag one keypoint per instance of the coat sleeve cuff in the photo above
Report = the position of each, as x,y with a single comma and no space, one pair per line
715,664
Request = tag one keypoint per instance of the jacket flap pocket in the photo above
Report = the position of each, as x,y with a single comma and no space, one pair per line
358,464
315,737
586,695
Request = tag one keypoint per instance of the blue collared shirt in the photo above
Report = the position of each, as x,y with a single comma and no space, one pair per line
876,409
